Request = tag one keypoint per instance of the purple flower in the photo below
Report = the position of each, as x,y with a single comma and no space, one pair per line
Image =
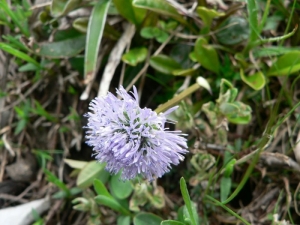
131,139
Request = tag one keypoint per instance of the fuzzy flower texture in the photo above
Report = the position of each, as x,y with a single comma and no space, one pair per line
131,139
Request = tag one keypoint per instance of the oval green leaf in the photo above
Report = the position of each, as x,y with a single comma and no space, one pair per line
146,219
62,7
256,81
120,189
225,187
207,15
129,12
171,222
62,49
75,164
91,171
164,64
135,56
286,64
233,31
159,6
207,56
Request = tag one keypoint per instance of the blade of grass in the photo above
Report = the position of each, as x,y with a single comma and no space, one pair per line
187,200
12,15
18,54
216,202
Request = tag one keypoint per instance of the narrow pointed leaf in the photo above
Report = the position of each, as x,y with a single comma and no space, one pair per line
62,7
94,36
111,203
19,54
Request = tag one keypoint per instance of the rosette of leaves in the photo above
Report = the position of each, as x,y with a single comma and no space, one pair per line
226,109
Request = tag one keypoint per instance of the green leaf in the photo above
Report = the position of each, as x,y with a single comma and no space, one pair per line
120,189
228,108
154,32
164,64
256,81
159,6
269,51
101,189
207,56
225,187
171,222
57,182
187,201
91,171
111,203
132,14
146,219
62,49
28,67
229,168
17,17
19,54
207,15
184,72
94,36
62,7
135,56
286,64
39,110
123,220
236,112
75,164
81,24
233,30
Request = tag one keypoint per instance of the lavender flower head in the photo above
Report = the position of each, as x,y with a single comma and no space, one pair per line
131,139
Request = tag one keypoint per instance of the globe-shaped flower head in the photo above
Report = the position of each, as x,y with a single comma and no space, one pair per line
132,139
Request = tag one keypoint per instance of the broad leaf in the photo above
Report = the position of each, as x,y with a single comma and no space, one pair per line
207,56
129,12
62,49
159,6
146,219
171,222
62,7
91,171
225,187
135,56
164,64
286,64
256,81
120,189
233,31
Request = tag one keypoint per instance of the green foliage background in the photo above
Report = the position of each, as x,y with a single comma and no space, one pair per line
232,67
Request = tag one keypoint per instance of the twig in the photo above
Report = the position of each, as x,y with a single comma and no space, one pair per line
13,198
114,59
